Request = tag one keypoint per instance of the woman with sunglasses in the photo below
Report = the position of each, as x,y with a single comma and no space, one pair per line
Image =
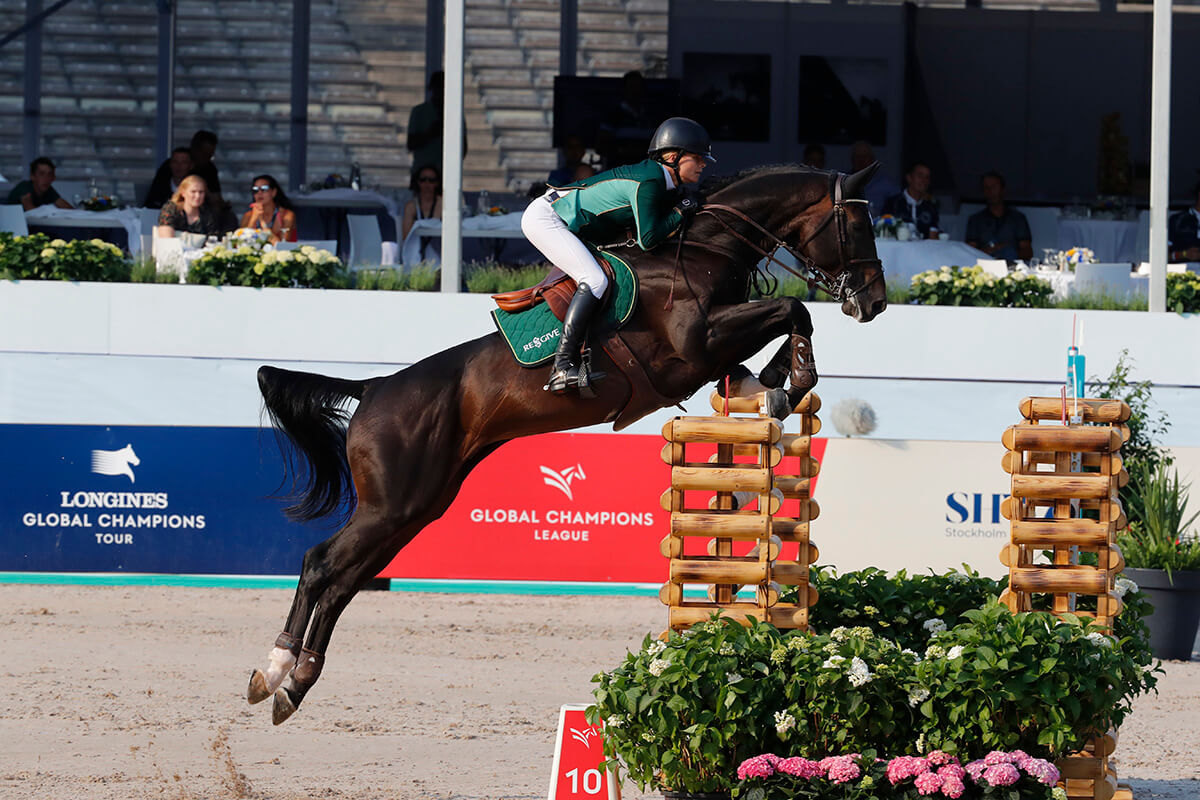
270,210
426,203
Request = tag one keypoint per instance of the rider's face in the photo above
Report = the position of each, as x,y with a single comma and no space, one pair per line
690,167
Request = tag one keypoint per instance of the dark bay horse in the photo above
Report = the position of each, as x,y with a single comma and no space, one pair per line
415,435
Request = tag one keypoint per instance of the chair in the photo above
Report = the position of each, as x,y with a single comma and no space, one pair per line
168,256
366,242
12,220
1043,225
149,219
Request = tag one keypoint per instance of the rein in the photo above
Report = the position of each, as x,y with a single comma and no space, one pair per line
810,271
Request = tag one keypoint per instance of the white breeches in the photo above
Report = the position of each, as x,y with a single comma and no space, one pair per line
546,231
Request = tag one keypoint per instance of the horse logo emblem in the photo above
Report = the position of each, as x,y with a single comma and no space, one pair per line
115,462
562,480
584,735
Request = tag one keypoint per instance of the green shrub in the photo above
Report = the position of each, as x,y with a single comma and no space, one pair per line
971,286
306,266
1183,292
491,278
37,256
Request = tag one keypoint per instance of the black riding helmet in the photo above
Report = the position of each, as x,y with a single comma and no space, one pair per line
681,133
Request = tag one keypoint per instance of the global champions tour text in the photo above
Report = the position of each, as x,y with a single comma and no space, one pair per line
567,524
156,501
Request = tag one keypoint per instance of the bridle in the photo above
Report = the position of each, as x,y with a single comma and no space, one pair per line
809,271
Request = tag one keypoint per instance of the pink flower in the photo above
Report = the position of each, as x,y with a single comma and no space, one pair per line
1017,757
937,758
928,783
800,767
998,757
1001,775
757,767
975,769
904,767
953,787
952,771
1043,770
840,769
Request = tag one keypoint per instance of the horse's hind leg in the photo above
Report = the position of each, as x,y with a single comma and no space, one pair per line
288,644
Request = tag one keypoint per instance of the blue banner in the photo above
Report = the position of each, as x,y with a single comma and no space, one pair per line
81,498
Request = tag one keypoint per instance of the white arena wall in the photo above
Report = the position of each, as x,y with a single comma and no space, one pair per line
920,492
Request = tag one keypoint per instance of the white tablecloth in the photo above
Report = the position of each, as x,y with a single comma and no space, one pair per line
902,260
126,218
504,226
1111,240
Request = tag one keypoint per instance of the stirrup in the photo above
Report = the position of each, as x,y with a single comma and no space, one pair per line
560,382
587,378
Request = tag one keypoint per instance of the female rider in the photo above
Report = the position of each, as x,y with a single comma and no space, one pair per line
644,198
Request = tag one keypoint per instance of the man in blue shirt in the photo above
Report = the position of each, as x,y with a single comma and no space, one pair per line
915,204
999,230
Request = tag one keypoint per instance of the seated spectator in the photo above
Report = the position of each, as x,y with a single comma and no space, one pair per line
1183,232
270,210
999,230
915,204
814,156
39,189
187,211
426,203
574,151
583,172
170,174
882,186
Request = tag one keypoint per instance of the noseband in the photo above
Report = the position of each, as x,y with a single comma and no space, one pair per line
836,285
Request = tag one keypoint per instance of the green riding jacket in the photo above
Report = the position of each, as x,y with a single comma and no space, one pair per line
602,208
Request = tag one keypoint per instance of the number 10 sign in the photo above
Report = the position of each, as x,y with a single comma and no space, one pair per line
578,754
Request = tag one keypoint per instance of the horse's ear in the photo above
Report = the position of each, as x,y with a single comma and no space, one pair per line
856,185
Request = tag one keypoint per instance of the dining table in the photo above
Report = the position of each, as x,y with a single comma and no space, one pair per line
120,226
322,214
486,237
904,259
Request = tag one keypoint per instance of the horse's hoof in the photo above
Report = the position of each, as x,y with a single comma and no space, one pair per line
258,690
283,707
778,404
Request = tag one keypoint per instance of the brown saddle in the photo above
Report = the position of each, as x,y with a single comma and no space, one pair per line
554,290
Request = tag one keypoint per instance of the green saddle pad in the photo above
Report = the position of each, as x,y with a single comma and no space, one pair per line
533,333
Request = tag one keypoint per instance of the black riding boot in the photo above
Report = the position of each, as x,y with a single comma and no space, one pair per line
565,374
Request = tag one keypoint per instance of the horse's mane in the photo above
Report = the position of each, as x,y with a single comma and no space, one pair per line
720,182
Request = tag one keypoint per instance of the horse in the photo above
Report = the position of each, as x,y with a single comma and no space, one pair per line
115,462
396,463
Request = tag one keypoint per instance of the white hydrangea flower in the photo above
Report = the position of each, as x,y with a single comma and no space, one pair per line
733,677
1058,793
934,625
833,662
726,649
915,656
859,673
1124,586
784,722
958,577
955,652
1099,639
918,696
840,633
935,651
656,647
658,665
615,721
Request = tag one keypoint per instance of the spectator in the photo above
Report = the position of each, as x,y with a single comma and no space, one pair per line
574,151
999,230
425,124
39,189
882,186
204,146
170,174
622,139
583,172
814,156
187,211
426,203
1183,232
915,204
270,210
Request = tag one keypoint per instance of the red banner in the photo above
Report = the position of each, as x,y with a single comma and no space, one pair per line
578,753
556,507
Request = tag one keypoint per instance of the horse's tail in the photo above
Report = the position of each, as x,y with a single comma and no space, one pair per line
309,414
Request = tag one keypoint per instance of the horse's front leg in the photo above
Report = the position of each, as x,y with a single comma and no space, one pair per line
740,331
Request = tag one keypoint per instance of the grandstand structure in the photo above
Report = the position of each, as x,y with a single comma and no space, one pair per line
367,70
